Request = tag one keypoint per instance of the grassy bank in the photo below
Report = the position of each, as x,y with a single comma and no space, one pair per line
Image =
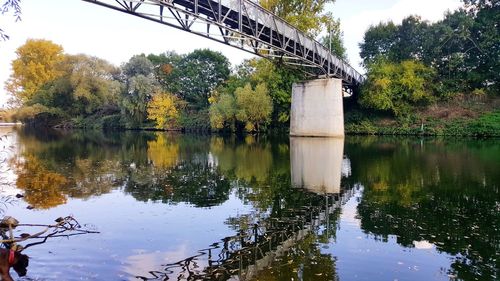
459,117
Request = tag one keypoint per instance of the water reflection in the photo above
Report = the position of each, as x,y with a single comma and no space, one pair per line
260,241
434,194
424,194
316,163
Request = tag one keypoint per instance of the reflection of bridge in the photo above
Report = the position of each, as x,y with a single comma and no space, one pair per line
245,25
251,250
317,165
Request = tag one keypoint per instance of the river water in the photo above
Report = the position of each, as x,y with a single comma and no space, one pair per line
185,207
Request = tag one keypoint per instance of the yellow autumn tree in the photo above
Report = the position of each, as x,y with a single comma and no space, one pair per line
162,109
38,62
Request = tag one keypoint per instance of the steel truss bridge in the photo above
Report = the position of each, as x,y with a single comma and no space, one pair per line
245,25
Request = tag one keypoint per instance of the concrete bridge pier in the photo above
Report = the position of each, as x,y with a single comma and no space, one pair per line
317,109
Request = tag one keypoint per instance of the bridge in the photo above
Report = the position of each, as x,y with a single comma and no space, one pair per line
246,25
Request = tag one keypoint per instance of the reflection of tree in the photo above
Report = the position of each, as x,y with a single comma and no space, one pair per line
42,187
448,195
250,161
164,152
90,163
197,183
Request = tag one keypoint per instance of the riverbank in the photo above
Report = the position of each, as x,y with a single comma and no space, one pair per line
457,117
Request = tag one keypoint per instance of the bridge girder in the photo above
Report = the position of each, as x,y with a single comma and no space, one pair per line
245,25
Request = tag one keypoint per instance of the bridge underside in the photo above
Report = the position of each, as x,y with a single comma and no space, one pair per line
245,25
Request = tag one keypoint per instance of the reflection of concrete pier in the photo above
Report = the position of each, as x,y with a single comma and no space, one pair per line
316,163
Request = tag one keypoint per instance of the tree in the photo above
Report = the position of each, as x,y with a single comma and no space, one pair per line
162,108
197,75
140,85
38,62
279,81
254,106
86,85
164,64
307,16
395,87
485,40
334,40
135,98
93,84
378,40
138,65
462,48
222,112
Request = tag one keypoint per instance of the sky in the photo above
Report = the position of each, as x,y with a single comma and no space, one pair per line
81,27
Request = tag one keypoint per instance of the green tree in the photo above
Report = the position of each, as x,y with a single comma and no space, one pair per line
223,112
254,106
334,40
279,81
462,48
307,16
164,64
134,101
38,62
396,42
138,65
86,85
93,84
197,75
140,85
378,40
484,53
396,87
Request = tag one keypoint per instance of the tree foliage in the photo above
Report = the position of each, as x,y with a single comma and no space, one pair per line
93,84
307,16
38,62
395,87
396,42
334,41
463,48
140,85
134,100
251,107
163,110
279,81
254,106
138,65
223,112
196,75
85,85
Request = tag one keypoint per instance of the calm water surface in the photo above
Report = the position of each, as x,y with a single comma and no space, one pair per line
181,207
